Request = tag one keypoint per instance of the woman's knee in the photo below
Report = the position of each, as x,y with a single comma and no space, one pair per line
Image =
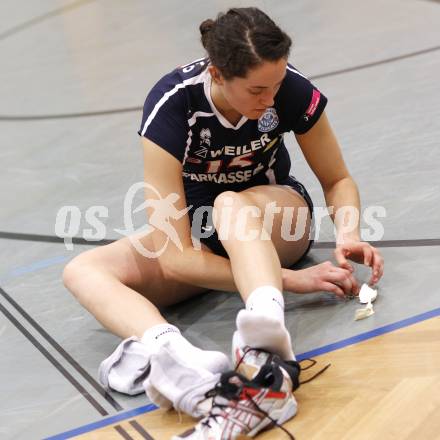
232,206
77,271
268,212
229,199
236,217
98,262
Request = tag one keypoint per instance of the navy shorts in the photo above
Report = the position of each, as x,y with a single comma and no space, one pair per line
202,228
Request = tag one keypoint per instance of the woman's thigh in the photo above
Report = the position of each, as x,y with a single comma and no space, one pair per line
289,225
143,274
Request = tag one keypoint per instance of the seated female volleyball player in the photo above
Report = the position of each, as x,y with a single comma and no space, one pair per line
212,136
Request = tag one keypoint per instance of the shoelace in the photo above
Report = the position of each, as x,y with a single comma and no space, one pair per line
266,414
227,391
313,362
230,392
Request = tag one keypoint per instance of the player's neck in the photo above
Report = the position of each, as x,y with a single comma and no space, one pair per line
223,106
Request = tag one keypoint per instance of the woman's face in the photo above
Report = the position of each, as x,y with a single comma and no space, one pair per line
252,95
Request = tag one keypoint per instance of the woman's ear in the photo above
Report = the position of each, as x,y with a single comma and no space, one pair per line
216,75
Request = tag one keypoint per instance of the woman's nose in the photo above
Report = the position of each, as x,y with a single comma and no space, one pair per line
267,100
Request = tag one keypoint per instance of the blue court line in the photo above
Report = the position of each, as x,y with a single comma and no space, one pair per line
37,265
312,353
104,422
370,334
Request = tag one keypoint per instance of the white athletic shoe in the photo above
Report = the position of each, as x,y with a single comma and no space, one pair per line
244,407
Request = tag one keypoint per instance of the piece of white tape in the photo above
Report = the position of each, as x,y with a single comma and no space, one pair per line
366,296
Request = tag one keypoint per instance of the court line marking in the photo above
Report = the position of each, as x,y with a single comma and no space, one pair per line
316,352
117,111
123,433
370,334
34,267
58,259
33,21
139,108
139,428
104,422
377,63
52,360
317,244
85,375
71,361
51,238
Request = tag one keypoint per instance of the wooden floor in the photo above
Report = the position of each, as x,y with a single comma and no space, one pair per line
385,388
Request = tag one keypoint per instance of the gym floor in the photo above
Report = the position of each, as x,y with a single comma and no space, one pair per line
74,78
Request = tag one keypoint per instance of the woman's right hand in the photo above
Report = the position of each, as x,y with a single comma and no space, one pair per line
322,277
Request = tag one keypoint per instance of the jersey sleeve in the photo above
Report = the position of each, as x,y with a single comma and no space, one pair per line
301,101
164,119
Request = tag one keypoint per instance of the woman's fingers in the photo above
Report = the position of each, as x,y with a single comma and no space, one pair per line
330,287
345,279
354,285
360,252
340,254
377,267
368,255
340,275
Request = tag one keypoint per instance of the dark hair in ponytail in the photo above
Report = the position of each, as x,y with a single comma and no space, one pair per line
242,39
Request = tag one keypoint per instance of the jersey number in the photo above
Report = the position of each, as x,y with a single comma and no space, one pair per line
240,161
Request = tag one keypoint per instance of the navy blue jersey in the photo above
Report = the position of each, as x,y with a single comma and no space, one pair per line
216,155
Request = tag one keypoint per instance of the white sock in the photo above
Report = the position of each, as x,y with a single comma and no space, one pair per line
161,334
126,368
157,335
178,381
268,300
261,324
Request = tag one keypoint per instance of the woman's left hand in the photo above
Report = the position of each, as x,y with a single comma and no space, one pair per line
363,253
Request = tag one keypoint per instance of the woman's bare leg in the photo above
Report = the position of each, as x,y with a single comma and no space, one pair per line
258,261
257,251
123,289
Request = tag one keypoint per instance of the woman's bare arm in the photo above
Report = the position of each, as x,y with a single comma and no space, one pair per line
323,153
197,267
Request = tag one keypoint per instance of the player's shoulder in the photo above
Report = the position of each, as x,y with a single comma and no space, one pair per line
182,77
295,77
295,86
193,69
